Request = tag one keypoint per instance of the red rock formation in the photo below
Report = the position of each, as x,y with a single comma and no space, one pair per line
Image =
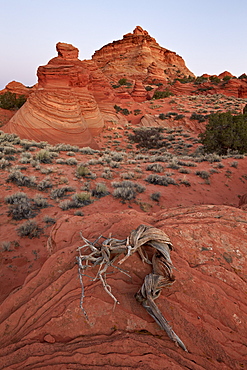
17,88
63,108
42,325
138,55
225,74
243,201
139,93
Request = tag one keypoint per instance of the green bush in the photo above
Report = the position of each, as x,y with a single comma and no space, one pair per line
122,81
214,79
162,94
9,101
148,137
124,111
199,117
225,132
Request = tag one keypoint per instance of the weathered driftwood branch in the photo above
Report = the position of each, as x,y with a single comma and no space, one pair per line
106,253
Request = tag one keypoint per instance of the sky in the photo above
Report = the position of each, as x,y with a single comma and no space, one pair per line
210,35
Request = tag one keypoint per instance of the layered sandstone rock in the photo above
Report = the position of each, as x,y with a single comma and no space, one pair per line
17,88
139,92
42,325
139,55
63,108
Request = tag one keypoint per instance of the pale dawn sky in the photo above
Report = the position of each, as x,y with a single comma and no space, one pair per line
210,35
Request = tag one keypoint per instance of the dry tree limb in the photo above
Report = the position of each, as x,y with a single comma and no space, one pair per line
106,253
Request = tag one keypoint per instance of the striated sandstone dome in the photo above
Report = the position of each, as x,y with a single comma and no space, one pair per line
138,54
63,108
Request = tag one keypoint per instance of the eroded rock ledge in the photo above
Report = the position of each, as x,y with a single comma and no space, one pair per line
43,326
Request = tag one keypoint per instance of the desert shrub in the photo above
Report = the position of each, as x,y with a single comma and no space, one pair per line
148,137
61,192
65,205
40,201
71,161
88,150
16,197
21,210
100,190
116,157
10,138
199,117
20,206
4,163
44,156
225,132
148,88
81,199
128,193
79,213
60,161
203,174
155,167
214,79
185,79
107,174
6,246
183,170
49,220
155,196
44,184
20,179
234,164
124,111
65,148
162,94
127,190
137,111
30,229
160,180
78,200
9,149
200,80
185,182
122,81
127,175
162,116
10,101
82,171
186,164
173,164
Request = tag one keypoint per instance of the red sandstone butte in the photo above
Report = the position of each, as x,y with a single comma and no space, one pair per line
138,55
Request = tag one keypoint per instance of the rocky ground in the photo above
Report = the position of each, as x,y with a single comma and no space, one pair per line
193,197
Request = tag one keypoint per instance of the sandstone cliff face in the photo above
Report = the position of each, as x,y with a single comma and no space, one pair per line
139,55
41,324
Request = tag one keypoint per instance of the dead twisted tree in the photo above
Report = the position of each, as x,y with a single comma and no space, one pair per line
106,253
